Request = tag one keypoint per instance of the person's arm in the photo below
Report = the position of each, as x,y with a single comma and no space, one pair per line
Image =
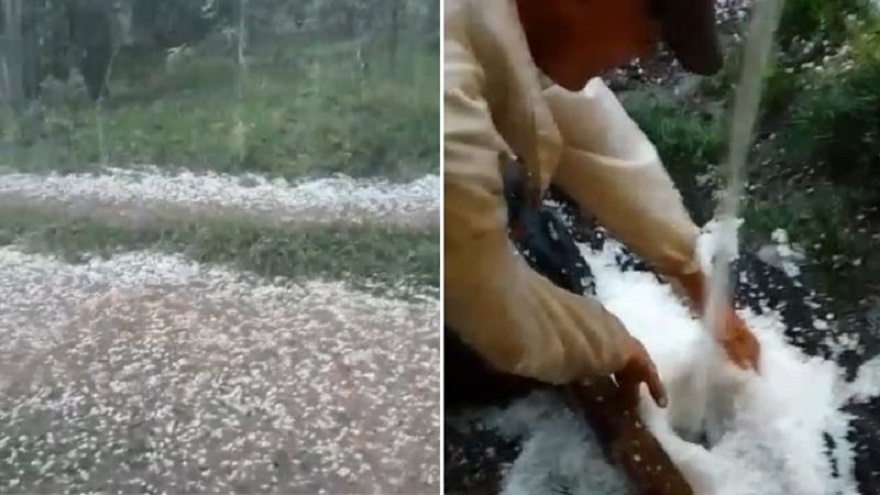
613,170
516,319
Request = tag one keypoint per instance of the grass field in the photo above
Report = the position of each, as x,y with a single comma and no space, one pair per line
384,256
304,111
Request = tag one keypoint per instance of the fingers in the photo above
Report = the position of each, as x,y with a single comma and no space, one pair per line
655,386
630,385
739,343
754,351
745,352
756,359
640,369
646,372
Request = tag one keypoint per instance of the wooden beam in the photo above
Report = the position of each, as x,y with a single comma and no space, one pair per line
628,443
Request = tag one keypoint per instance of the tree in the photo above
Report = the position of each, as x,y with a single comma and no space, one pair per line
12,46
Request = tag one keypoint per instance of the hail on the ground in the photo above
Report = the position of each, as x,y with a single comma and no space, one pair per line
152,373
765,434
333,197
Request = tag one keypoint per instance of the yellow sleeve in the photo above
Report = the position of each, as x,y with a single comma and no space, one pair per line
516,319
611,169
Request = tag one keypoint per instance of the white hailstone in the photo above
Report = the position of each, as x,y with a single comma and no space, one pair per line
139,192
793,402
189,355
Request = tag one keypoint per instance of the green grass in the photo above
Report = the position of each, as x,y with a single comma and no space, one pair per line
825,218
383,257
820,20
307,111
690,143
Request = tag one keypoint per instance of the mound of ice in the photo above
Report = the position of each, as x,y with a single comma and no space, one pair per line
764,434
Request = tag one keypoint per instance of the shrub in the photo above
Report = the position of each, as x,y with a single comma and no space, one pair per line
689,143
835,125
819,22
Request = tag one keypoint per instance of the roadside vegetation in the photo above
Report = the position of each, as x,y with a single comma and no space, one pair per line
815,167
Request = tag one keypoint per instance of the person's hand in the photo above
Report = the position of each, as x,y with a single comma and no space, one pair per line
738,341
733,335
639,369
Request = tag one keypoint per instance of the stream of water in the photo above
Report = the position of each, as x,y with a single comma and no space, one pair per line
759,44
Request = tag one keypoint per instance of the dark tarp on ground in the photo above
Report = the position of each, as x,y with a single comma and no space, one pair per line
474,460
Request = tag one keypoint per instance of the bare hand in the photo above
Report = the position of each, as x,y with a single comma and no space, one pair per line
738,341
735,337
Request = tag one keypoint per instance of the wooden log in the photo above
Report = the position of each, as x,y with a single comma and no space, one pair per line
628,443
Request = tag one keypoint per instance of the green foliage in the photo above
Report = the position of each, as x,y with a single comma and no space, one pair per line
822,177
782,84
827,220
307,110
810,34
691,140
819,21
816,167
836,127
383,256
688,143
